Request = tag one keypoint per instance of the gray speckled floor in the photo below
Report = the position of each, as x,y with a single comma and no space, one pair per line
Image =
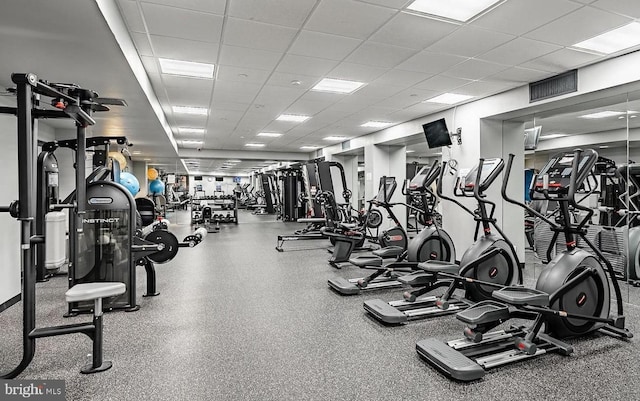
237,320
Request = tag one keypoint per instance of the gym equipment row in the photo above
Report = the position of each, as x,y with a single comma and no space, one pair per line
203,211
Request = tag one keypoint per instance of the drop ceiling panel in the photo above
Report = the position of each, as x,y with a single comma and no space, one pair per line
561,60
441,83
380,55
241,74
287,80
629,8
474,69
184,49
377,91
396,4
131,15
520,16
400,79
348,18
244,92
308,107
142,43
469,41
312,66
291,13
412,31
278,94
208,6
323,45
258,35
518,51
189,93
485,88
231,106
580,25
181,23
521,75
185,120
433,63
249,58
357,72
406,98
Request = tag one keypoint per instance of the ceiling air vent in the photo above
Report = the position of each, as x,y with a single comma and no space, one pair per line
562,84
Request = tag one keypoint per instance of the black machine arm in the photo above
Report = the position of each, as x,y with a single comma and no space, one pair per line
443,196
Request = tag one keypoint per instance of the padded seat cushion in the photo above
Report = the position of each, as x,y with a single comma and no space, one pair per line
92,291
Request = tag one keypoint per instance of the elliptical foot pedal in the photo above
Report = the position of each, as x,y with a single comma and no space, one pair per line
419,279
384,312
484,312
343,286
366,261
522,296
436,266
450,362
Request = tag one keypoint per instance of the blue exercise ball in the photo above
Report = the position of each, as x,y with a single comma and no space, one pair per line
130,182
156,187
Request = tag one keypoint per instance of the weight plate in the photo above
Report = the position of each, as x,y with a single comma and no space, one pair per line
169,242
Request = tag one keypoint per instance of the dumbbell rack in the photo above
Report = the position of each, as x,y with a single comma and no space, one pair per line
228,203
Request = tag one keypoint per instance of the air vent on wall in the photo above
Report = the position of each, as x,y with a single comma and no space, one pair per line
562,84
346,145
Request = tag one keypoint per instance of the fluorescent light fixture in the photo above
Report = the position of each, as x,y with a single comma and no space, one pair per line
604,146
448,98
438,153
337,86
270,161
255,145
187,130
552,136
293,118
458,10
309,147
136,152
613,41
147,160
410,151
199,111
270,134
234,161
376,124
186,68
335,138
603,114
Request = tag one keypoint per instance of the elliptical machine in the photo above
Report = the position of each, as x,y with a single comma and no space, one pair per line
571,298
432,243
491,258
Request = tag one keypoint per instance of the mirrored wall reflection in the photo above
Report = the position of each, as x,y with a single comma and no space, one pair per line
601,125
632,180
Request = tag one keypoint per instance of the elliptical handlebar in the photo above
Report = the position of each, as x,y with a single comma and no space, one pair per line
443,196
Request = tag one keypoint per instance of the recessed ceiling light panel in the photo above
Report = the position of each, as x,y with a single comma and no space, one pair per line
186,68
270,134
187,130
603,114
448,98
457,10
613,41
376,124
309,147
255,145
292,118
199,111
337,86
335,138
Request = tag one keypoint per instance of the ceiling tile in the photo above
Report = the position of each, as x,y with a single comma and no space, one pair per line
580,25
280,12
231,106
380,55
401,78
242,74
484,88
522,75
131,15
520,16
209,6
474,69
220,116
356,72
248,58
431,63
412,31
441,83
396,4
378,91
307,107
243,92
285,79
183,49
418,110
561,60
180,23
188,91
257,35
311,66
142,43
406,98
279,95
323,45
469,41
348,18
630,8
518,51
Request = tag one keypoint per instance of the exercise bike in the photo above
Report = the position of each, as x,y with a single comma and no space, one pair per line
571,297
491,258
432,243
